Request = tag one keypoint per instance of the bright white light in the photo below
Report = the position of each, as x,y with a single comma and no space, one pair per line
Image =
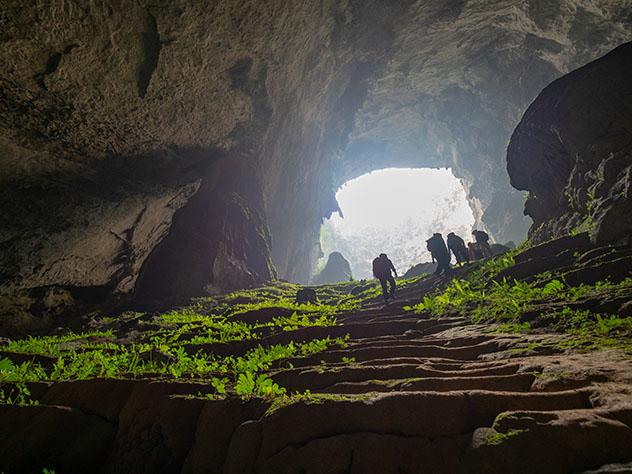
394,211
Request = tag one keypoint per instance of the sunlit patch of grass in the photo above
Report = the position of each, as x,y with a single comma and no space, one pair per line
166,351
295,321
51,345
507,302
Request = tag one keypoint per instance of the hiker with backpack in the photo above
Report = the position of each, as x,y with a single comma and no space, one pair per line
482,240
437,248
473,251
456,245
383,270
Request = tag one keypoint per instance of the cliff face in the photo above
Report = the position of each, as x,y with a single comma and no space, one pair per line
189,143
573,152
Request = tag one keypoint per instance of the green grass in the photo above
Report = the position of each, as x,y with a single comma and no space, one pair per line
167,349
169,352
517,306
176,344
18,394
52,345
308,397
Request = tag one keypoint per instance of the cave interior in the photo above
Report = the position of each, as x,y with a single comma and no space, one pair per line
165,170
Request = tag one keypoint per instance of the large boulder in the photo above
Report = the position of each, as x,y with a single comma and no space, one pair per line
420,269
336,269
573,152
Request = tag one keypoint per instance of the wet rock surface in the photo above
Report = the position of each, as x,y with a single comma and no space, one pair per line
454,405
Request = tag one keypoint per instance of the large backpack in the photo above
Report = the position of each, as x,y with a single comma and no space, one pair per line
432,244
380,267
482,236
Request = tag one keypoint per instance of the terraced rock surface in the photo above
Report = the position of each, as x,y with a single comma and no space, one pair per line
378,389
413,395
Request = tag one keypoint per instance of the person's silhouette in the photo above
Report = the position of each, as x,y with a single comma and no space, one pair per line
439,252
383,270
482,239
456,245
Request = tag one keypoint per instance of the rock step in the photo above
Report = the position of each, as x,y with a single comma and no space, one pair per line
428,341
365,452
298,379
501,383
399,317
594,440
384,352
438,363
466,366
583,439
355,331
409,414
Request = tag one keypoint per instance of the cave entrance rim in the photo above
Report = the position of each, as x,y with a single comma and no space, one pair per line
393,210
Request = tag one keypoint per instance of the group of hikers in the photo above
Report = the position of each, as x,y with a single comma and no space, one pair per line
383,268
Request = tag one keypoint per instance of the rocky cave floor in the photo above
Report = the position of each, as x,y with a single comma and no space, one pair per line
523,363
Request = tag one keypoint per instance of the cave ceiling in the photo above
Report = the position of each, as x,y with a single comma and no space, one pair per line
124,122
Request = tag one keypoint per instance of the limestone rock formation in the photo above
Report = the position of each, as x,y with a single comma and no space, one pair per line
420,269
336,269
573,152
390,390
167,149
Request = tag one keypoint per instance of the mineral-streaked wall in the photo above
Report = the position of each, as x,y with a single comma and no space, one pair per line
120,120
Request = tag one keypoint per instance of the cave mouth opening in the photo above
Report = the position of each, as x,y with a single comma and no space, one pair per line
394,211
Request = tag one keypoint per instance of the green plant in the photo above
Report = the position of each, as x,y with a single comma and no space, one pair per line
495,439
18,395
247,385
52,345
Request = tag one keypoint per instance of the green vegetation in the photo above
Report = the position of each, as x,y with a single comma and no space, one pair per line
18,394
186,343
495,439
520,307
313,398
176,345
53,345
243,372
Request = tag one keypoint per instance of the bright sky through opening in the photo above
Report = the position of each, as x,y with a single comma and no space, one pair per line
395,211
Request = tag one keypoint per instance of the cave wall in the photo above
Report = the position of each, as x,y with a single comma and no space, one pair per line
186,142
122,122
458,82
447,90
572,152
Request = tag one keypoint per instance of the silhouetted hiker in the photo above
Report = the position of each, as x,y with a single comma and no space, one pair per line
382,268
473,251
439,252
456,245
482,239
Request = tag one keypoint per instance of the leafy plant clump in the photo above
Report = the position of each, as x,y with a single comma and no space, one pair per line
495,439
520,306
